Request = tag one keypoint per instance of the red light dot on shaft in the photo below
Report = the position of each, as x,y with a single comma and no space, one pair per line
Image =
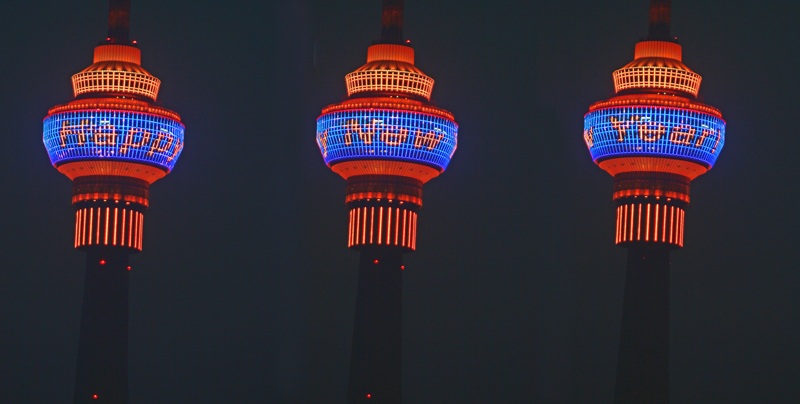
402,267
129,268
369,395
376,261
102,262
94,396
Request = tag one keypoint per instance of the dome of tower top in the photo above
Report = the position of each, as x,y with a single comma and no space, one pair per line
116,70
657,67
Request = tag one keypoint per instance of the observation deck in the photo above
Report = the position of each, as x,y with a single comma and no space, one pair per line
387,126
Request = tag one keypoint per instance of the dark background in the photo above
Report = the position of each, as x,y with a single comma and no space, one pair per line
245,291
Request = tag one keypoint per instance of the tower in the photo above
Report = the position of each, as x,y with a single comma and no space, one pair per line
112,141
654,138
386,140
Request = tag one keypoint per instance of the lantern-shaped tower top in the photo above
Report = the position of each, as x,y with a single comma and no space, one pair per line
390,66
657,65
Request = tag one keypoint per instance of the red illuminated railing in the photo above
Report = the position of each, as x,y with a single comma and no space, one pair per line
109,226
382,225
649,222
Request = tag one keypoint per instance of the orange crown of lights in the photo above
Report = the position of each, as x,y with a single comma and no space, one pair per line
116,69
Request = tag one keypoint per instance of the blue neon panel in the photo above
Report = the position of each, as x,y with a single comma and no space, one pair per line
113,135
386,135
654,131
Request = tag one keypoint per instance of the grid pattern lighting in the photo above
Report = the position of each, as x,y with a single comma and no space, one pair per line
389,81
115,81
643,130
113,135
386,134
657,77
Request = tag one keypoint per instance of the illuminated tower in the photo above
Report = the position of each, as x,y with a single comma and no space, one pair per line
112,141
654,137
386,140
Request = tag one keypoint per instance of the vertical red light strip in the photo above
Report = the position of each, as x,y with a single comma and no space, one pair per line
371,223
83,228
91,221
616,229
396,224
405,213
364,227
357,218
410,228
141,229
77,221
683,222
130,229
414,245
389,226
639,224
655,220
97,239
350,229
122,232
105,237
625,223
664,227
647,225
380,225
630,236
671,222
116,219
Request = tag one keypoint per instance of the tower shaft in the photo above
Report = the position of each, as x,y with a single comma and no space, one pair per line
660,11
102,369
643,362
109,219
392,22
119,17
375,359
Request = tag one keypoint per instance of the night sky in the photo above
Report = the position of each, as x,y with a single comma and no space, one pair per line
245,291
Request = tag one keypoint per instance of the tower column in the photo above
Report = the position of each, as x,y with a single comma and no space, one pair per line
375,359
643,361
102,369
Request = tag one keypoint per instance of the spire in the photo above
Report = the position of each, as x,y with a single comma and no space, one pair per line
392,22
119,16
659,20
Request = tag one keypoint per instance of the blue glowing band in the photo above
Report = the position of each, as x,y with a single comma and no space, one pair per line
387,135
654,131
113,135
